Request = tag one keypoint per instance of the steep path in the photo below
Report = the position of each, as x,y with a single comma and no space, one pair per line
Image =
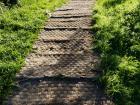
62,67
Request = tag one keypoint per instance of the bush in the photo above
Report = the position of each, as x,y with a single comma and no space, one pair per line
118,41
121,78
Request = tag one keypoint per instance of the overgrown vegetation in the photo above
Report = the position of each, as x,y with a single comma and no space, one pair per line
118,40
19,27
9,2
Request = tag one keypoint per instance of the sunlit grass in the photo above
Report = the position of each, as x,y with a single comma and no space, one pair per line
19,27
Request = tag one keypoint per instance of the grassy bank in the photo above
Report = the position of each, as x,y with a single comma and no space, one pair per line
19,27
118,40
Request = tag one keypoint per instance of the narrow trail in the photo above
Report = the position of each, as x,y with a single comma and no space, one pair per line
62,67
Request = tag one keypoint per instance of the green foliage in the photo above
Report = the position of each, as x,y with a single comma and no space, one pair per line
9,2
19,27
118,40
121,78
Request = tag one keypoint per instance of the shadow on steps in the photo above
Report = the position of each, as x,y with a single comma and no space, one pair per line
57,91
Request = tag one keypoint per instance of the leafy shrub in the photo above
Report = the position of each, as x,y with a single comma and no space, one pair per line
118,41
122,77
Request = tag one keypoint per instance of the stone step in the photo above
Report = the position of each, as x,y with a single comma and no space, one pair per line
85,19
72,10
83,22
78,4
82,7
71,16
63,35
62,46
67,28
74,3
57,91
81,65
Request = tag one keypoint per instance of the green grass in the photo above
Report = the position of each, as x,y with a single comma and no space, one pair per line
19,28
118,40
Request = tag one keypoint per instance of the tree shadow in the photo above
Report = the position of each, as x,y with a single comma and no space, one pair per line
60,88
79,62
57,91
